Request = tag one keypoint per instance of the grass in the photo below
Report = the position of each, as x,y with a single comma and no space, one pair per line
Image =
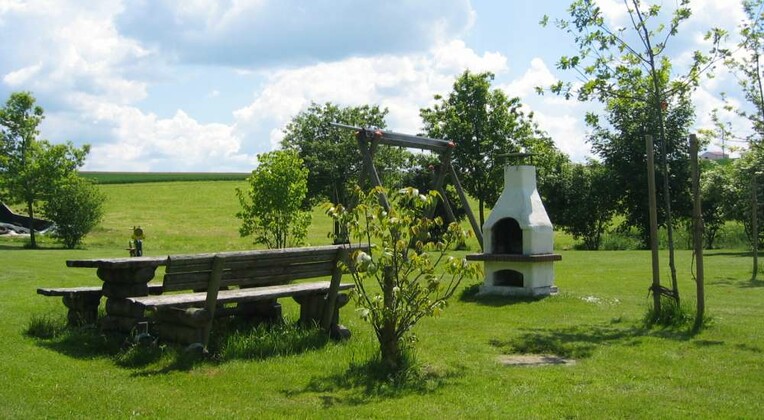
623,368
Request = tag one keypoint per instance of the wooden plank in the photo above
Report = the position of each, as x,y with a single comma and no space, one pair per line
238,295
154,288
118,263
248,277
69,290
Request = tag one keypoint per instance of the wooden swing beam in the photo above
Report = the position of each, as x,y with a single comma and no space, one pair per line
370,137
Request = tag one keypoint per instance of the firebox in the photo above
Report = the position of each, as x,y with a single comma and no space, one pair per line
518,240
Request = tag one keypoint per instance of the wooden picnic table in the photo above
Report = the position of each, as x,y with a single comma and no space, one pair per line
122,278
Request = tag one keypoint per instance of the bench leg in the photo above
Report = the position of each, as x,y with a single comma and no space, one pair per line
266,311
312,309
83,308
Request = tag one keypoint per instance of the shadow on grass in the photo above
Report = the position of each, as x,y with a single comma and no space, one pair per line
580,342
741,283
369,381
470,294
231,340
728,254
752,284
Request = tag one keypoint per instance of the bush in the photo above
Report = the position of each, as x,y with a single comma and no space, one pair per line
397,285
271,206
76,207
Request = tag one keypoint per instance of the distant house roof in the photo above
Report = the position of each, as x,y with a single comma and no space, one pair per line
713,155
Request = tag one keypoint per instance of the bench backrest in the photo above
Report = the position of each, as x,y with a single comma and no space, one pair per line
251,268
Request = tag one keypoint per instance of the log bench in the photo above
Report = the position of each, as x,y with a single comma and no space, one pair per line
197,288
82,302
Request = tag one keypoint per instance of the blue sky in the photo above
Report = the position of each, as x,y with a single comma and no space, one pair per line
204,85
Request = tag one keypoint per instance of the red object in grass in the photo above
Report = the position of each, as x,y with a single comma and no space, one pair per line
451,144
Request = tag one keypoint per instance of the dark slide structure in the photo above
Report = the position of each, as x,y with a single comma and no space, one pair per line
8,217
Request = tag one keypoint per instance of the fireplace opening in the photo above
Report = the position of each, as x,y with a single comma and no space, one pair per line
507,237
509,278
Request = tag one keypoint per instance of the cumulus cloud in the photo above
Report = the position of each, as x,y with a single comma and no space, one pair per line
267,32
401,83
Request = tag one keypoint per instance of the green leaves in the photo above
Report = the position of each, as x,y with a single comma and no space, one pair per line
272,204
398,281
31,168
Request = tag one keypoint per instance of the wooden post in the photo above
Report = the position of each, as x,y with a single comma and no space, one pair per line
755,225
653,210
475,228
334,287
697,220
369,169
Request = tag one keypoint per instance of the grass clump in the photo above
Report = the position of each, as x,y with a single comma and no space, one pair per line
268,340
45,326
672,314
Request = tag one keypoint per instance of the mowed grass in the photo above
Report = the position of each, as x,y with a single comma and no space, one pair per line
621,370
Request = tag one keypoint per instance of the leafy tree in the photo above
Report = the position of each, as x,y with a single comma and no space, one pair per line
621,145
406,284
485,124
609,60
748,170
331,154
715,191
271,206
30,166
585,200
76,207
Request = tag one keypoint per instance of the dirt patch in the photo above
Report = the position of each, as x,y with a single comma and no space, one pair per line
534,360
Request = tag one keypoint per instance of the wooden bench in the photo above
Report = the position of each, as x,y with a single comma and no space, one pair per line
253,281
82,302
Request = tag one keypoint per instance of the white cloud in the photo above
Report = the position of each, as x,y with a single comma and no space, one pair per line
537,75
22,75
402,83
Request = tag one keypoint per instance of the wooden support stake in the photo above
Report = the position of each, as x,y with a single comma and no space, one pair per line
368,165
331,295
697,220
475,227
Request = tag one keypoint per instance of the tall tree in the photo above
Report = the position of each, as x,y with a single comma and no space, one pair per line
484,124
29,167
610,57
749,68
331,154
619,141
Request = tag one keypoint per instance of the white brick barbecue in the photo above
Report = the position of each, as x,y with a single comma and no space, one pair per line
518,240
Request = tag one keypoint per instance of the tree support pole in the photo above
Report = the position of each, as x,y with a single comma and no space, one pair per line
697,221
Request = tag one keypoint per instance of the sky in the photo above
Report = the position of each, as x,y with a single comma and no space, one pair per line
203,85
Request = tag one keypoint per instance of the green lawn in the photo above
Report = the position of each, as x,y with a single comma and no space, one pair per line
622,369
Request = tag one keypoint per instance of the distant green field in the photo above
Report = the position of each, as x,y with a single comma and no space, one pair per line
141,177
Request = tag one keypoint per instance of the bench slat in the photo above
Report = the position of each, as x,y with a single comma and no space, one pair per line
175,281
238,295
185,263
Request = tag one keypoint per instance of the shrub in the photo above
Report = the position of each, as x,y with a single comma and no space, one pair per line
401,266
76,207
271,206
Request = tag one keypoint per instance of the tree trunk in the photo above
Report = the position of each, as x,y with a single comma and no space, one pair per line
481,204
30,212
697,236
389,343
